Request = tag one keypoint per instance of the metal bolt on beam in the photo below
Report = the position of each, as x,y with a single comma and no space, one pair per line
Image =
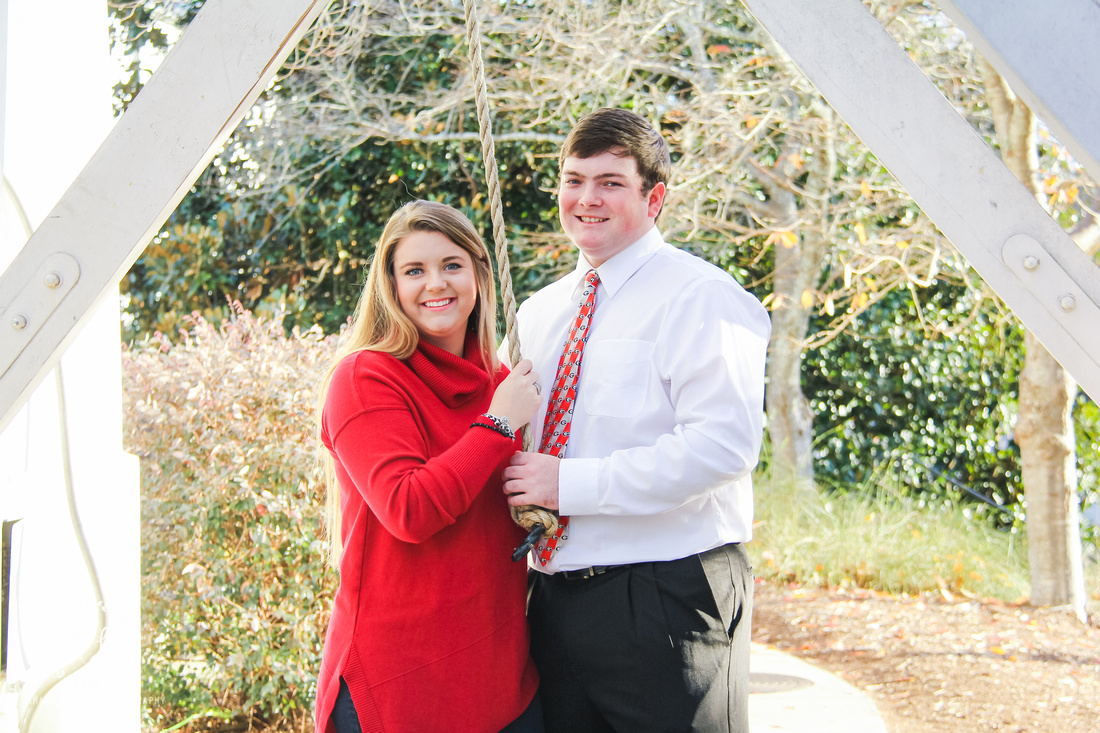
1054,290
31,307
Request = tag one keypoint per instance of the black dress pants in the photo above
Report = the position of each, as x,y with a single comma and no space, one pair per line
656,646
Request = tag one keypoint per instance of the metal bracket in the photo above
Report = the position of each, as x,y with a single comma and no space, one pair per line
25,315
1053,287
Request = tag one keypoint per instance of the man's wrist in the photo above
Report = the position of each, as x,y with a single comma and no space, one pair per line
578,486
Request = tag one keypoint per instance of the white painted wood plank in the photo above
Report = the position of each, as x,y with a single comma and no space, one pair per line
1049,52
943,164
146,165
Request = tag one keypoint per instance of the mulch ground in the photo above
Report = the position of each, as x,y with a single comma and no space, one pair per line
933,664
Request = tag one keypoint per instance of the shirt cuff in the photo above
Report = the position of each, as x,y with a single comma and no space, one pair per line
578,486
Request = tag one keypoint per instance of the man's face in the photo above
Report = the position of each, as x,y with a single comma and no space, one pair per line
602,207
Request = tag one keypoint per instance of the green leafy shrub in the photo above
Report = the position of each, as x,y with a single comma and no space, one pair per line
938,408
235,591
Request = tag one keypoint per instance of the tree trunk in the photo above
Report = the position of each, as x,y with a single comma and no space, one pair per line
1045,434
798,263
790,419
1044,429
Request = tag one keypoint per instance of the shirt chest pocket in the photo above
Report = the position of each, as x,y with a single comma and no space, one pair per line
616,376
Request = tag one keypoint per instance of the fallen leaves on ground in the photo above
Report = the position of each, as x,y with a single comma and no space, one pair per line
934,665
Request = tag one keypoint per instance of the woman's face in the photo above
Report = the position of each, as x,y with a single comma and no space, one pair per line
436,287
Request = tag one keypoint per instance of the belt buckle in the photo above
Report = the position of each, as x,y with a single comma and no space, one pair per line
585,573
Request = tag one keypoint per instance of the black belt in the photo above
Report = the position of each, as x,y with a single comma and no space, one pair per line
586,573
592,572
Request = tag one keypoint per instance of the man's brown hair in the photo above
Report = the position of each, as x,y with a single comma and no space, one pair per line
623,133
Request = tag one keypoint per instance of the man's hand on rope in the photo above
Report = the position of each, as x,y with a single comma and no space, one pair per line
532,478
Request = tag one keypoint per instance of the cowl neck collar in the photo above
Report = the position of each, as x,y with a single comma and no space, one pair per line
455,380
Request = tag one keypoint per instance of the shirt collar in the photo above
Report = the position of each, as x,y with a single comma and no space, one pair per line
616,271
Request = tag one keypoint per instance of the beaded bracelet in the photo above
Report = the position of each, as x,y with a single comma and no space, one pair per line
499,424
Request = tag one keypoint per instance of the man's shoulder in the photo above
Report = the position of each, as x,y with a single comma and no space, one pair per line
689,281
672,262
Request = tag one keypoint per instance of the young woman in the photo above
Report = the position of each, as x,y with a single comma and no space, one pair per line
428,630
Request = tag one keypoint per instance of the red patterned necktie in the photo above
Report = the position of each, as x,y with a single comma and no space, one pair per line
559,410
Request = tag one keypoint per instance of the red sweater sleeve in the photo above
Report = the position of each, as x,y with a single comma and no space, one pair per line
382,446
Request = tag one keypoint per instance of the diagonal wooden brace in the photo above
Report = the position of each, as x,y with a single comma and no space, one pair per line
1017,37
946,167
149,161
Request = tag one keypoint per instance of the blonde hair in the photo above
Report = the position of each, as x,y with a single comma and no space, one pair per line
379,323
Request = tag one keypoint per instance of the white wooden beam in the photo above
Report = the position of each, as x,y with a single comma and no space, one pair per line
171,131
1049,52
949,171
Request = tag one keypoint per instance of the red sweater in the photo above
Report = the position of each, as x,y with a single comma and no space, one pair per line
428,627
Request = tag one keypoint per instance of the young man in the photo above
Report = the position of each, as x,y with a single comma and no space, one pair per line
640,610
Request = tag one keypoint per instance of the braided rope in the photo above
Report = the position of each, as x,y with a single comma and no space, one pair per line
526,516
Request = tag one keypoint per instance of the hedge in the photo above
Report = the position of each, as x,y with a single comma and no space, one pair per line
235,590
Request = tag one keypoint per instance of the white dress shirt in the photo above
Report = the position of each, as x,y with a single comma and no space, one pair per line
669,413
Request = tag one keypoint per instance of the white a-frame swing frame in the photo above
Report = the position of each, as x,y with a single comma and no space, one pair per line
234,47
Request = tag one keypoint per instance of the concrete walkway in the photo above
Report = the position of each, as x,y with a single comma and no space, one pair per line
794,696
